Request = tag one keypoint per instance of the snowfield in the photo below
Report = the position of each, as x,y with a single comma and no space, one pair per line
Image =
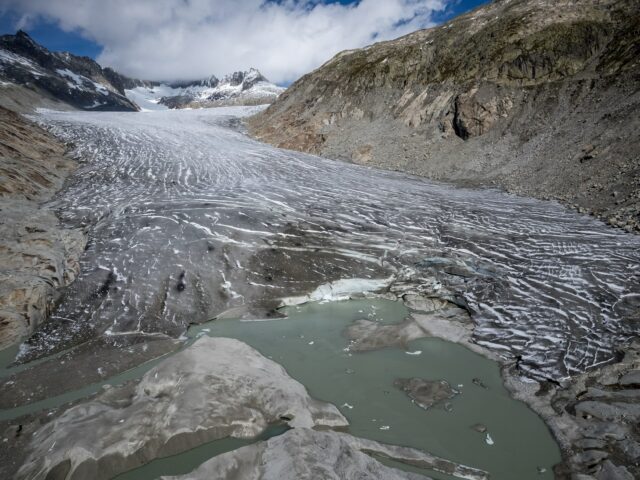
190,217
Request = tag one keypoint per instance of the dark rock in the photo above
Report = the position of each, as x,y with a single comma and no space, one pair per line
77,81
426,393
630,378
480,428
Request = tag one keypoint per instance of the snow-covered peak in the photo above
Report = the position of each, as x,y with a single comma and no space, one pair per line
212,82
238,88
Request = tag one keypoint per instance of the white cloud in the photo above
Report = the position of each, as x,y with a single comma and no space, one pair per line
186,39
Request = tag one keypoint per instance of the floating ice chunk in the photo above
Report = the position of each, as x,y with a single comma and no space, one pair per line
346,405
311,342
489,440
385,427
417,352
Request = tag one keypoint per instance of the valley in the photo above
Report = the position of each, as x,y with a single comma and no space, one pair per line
414,255
189,220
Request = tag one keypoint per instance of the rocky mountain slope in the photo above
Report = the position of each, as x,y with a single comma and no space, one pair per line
75,81
36,254
239,88
539,97
31,76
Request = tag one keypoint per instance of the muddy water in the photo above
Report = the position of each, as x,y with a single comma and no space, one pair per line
311,346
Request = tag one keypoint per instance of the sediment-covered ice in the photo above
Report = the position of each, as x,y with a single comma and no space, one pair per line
191,217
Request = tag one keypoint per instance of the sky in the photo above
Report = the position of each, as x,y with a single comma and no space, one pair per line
191,39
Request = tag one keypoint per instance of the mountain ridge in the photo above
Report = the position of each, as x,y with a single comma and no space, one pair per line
36,76
78,82
235,89
532,96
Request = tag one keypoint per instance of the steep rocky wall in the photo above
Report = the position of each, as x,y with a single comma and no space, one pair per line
37,255
539,97
73,81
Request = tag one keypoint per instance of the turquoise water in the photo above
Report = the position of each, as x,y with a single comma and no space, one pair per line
310,345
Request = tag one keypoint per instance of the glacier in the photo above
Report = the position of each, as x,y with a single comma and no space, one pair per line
188,217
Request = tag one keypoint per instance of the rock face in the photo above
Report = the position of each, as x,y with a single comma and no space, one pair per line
537,96
76,81
603,408
216,388
36,254
304,454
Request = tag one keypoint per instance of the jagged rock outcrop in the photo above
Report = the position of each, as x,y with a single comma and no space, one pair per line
594,416
122,82
537,96
75,81
37,255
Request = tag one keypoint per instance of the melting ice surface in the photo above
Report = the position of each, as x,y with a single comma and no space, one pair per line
190,217
311,346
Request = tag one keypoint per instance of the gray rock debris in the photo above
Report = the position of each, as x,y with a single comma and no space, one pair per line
37,255
369,335
216,388
302,454
544,107
595,419
426,393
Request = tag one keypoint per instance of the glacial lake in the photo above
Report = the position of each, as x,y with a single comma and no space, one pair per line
310,344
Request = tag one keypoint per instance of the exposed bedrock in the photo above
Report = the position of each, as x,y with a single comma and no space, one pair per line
304,454
216,388
37,254
604,408
594,417
539,97
32,76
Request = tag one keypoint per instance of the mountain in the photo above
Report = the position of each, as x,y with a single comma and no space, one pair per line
78,82
32,76
239,88
540,97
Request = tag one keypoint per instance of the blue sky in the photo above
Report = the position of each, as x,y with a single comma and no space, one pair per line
132,39
51,36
